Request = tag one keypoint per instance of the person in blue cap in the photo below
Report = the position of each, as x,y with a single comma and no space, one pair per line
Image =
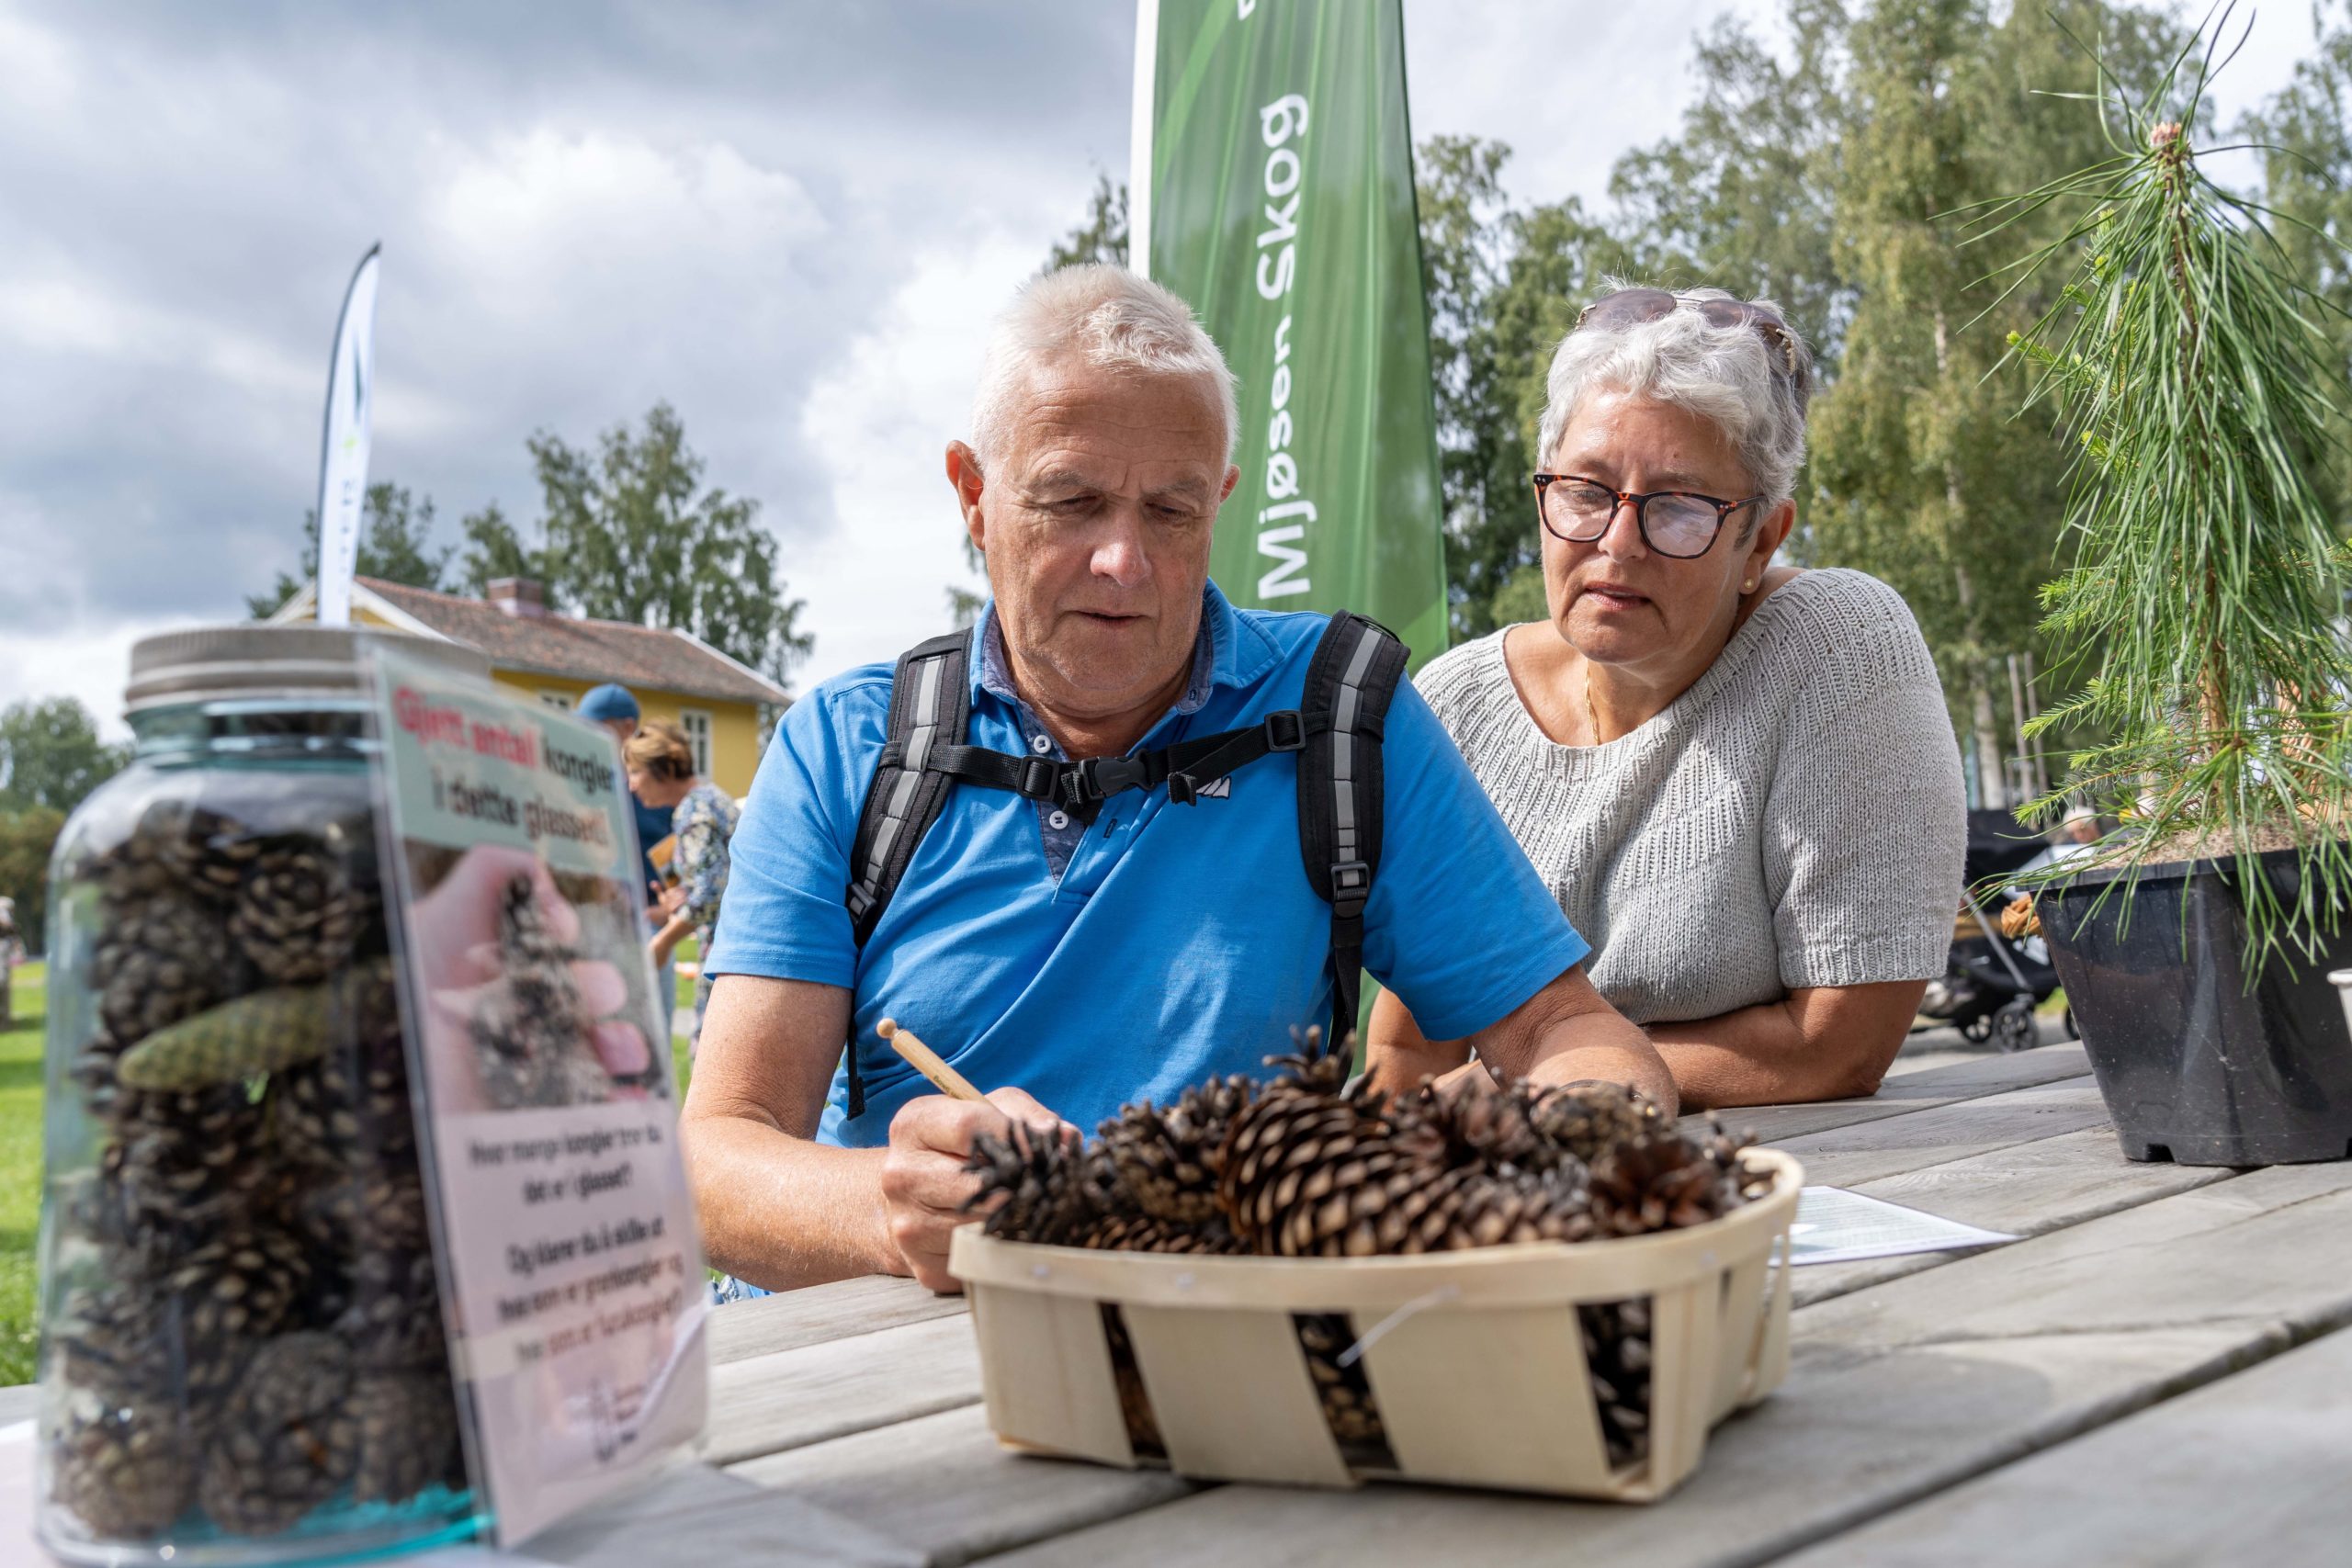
1106,907
612,706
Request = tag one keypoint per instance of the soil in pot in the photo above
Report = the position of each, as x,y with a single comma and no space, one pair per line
2196,1065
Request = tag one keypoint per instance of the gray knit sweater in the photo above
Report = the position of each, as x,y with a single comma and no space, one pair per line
1793,820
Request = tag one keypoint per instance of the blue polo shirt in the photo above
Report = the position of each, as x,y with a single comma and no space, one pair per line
1177,942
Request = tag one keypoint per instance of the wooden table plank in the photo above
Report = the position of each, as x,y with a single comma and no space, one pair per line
1897,1392
821,1312
728,1519
941,1485
2250,1469
2024,1189
1889,1145
1917,1091
790,1397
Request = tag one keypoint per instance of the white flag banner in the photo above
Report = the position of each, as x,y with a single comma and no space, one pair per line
343,445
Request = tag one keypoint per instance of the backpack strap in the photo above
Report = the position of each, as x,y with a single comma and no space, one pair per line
1335,730
930,707
1354,675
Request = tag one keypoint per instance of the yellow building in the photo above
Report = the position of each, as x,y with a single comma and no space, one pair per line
713,699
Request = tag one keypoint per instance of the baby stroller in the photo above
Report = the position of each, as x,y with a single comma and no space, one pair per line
1991,984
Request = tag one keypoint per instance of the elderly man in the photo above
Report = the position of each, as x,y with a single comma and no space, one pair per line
1069,965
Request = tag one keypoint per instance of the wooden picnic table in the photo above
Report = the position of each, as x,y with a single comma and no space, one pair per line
2156,1375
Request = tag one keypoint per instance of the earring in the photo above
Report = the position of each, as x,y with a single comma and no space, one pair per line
1749,586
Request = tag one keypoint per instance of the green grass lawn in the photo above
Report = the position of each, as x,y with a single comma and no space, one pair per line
20,1075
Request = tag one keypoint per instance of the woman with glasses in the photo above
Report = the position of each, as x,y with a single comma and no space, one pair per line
1738,778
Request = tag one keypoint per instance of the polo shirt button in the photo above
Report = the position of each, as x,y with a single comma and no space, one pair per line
1057,821
1040,744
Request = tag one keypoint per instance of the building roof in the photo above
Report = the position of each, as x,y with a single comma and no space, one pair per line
643,657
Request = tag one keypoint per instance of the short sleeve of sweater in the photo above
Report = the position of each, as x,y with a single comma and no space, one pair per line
1864,828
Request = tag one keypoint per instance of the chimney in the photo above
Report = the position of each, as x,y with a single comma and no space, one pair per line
521,597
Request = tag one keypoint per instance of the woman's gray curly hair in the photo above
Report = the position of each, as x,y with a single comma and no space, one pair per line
1727,374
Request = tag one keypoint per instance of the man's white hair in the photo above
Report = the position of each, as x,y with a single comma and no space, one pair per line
1727,374
1103,316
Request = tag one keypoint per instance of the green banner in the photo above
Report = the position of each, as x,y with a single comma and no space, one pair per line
1272,188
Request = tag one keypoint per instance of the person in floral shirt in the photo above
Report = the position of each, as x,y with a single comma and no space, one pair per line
702,822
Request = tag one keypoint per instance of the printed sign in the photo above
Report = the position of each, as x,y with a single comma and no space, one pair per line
571,1267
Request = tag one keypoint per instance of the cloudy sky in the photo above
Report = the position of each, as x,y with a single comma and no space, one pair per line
789,220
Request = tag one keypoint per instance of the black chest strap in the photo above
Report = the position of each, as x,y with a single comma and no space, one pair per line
1336,729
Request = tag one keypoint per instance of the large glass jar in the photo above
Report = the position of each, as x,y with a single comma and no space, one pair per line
241,1355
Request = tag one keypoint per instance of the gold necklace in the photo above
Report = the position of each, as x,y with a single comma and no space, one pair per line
1590,717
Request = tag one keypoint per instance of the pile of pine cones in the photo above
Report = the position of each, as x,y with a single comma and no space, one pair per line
1306,1166
250,1322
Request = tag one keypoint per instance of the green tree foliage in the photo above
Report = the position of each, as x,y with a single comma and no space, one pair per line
628,532
1743,196
1102,237
51,755
1922,473
27,835
2306,134
395,545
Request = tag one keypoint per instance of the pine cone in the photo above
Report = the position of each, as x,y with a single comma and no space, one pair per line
298,918
372,1209
227,1296
351,1105
1588,1118
1127,1231
1344,1392
179,848
158,960
1169,1160
1043,1188
1617,1359
389,1313
110,1341
126,1473
179,1167
287,1440
408,1433
263,1032
1661,1181
530,1026
1311,1172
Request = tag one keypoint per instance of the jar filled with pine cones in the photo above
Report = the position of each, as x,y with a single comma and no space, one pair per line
240,1315
1371,1259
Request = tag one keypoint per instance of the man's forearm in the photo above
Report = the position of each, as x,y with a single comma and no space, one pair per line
1605,1046
782,1212
1567,1032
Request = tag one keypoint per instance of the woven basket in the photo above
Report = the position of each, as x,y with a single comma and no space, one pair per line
1474,1358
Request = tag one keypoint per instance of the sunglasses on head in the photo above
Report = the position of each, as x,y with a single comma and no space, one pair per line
1629,307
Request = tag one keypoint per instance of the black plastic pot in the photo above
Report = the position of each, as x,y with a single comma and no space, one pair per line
2196,1066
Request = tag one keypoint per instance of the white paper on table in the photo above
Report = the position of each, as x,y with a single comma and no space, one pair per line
1833,1225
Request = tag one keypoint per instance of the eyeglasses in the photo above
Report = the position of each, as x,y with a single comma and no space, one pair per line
1679,524
1629,306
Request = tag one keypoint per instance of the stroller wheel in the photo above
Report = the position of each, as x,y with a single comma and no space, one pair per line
1978,1027
2013,1028
2072,1033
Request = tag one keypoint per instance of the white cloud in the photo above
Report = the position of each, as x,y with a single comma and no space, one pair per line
90,662
880,421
